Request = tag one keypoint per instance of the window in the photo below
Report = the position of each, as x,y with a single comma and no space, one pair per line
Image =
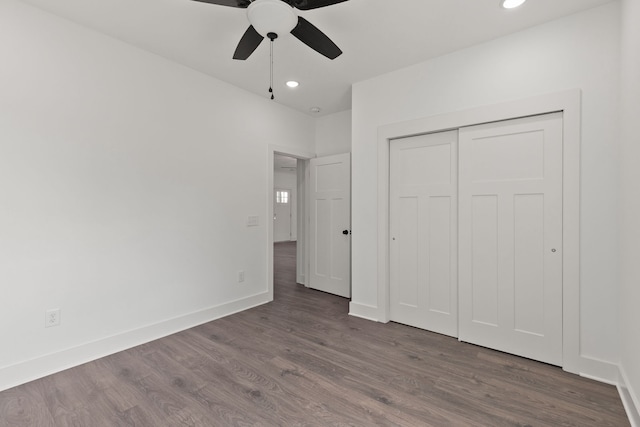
282,196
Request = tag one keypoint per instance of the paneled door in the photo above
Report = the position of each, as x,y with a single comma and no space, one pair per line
330,224
423,232
282,215
510,236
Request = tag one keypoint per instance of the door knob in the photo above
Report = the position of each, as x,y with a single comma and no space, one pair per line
346,232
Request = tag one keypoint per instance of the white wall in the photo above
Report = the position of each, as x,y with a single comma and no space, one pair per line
579,51
125,183
630,201
289,180
333,134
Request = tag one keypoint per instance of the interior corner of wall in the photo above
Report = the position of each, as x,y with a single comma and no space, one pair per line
599,370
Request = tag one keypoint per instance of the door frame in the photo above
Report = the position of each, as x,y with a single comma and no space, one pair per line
567,102
302,233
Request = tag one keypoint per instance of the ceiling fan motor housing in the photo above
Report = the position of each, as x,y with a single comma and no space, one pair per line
272,16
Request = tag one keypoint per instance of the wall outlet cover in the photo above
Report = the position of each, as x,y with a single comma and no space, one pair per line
52,317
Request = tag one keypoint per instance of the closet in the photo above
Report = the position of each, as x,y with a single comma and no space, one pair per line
476,234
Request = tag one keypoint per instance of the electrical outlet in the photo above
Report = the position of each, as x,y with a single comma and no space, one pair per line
240,276
52,317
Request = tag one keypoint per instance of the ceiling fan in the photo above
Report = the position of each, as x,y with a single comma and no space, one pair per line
269,18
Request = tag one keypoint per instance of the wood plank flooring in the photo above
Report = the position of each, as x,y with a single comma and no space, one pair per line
302,361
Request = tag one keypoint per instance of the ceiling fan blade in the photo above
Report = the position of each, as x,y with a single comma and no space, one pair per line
314,4
248,43
231,3
308,34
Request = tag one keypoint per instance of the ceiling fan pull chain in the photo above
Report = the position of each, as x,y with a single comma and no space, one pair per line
272,37
271,72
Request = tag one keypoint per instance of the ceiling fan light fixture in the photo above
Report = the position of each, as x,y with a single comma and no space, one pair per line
272,16
511,4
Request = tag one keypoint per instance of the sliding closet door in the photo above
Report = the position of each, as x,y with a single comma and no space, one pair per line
510,236
423,225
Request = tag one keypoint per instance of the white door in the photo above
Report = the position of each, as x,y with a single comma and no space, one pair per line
510,230
330,224
423,230
282,215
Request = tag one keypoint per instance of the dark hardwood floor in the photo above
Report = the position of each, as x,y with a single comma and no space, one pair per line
302,361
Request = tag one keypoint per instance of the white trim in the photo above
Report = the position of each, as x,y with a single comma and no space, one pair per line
569,103
302,254
629,398
29,370
384,140
363,311
598,370
291,152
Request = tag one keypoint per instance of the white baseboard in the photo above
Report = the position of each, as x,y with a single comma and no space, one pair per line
629,398
363,311
42,366
598,370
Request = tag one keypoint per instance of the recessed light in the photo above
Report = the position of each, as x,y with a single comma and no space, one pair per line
292,84
315,109
510,4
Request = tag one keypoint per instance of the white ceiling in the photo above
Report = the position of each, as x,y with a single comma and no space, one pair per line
376,36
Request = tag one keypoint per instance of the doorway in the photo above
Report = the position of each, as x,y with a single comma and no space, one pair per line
285,193
329,218
287,183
